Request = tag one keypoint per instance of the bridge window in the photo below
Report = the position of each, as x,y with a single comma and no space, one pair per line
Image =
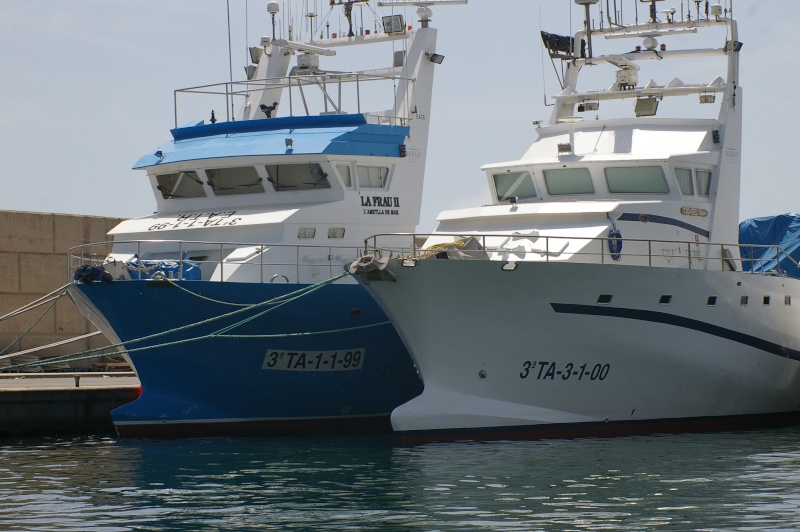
519,184
636,180
684,176
703,178
305,176
180,185
561,181
344,172
372,176
231,181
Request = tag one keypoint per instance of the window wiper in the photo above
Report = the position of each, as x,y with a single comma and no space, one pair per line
167,194
192,177
215,187
254,183
318,179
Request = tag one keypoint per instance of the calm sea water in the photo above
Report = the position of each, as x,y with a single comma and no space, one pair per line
722,481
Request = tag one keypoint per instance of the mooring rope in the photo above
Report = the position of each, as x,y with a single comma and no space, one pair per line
277,302
212,300
309,333
34,304
48,346
35,323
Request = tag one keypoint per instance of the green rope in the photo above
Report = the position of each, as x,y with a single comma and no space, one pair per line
77,356
308,333
311,289
176,285
103,351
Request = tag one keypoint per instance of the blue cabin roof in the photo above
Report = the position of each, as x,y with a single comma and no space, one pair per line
326,134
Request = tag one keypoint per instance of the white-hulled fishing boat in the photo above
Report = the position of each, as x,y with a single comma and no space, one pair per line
604,290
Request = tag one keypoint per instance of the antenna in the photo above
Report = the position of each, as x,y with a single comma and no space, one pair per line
586,4
653,10
311,16
230,57
420,3
273,8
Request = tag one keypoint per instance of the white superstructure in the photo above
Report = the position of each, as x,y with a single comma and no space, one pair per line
307,155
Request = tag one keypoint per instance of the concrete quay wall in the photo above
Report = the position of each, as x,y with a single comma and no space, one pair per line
43,410
33,262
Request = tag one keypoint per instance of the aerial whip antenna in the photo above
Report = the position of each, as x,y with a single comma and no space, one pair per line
588,24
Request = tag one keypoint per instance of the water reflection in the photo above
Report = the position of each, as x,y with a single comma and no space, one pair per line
679,482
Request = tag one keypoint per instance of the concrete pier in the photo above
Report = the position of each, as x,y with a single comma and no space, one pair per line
62,404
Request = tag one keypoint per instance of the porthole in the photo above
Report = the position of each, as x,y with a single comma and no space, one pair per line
665,300
743,301
711,301
604,299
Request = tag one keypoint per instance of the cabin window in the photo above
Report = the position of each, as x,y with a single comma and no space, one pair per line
180,185
519,184
344,172
306,232
636,180
306,176
231,181
372,176
703,178
568,181
336,232
684,176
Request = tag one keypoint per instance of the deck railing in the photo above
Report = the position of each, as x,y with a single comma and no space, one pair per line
304,95
291,263
602,250
258,262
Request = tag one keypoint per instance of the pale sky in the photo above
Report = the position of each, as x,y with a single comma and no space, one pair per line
87,88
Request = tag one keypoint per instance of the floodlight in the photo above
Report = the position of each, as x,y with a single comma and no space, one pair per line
434,58
646,107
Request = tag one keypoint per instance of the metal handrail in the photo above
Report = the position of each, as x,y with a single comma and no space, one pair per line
757,265
177,249
233,89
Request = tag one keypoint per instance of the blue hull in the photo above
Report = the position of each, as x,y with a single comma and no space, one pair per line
347,381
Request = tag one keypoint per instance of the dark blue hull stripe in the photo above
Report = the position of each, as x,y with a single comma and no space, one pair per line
634,217
679,321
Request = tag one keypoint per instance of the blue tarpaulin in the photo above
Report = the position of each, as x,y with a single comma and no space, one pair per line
188,271
782,230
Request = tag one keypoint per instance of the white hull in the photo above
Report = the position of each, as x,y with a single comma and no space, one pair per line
532,349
